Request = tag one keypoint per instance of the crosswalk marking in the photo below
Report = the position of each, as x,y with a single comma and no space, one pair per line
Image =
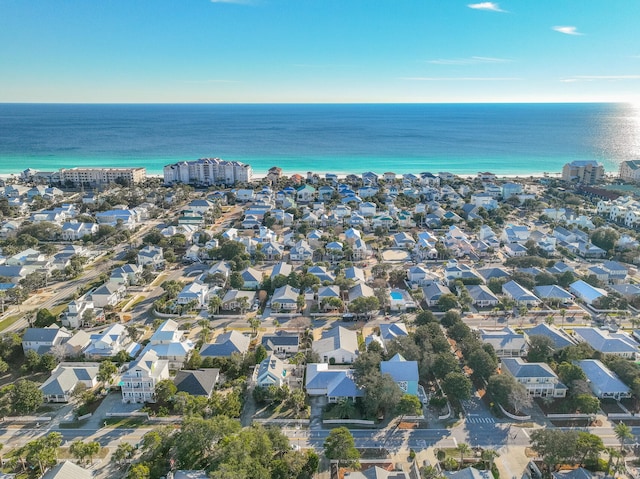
479,420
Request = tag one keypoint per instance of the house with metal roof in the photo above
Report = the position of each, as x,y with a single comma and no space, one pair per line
520,294
66,377
281,342
67,470
285,298
553,292
482,296
168,343
139,382
41,340
538,378
603,382
377,472
618,344
199,382
505,342
404,373
334,383
391,331
434,292
271,372
226,344
337,345
558,336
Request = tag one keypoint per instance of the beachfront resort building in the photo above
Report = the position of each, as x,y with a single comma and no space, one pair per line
630,170
207,171
586,172
102,176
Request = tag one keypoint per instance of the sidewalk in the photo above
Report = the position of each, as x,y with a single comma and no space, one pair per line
512,462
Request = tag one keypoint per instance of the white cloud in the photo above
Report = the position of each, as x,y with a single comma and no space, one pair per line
460,78
578,78
469,61
491,6
567,30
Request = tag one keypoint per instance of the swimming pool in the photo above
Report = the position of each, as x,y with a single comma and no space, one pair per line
396,295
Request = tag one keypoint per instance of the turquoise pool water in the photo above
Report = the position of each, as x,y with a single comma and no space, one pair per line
396,295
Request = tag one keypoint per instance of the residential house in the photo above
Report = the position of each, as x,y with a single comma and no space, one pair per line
194,293
505,342
151,256
282,343
226,344
197,383
337,345
617,344
139,382
558,336
285,299
391,331
301,251
251,278
127,274
65,378
433,292
538,378
232,300
519,294
41,340
111,341
403,372
109,294
76,344
482,296
67,470
334,384
603,382
553,292
79,312
74,231
168,343
587,293
271,372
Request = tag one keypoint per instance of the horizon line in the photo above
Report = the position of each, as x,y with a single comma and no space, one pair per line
479,102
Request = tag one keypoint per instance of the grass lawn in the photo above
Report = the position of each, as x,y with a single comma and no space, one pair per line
6,322
281,411
124,423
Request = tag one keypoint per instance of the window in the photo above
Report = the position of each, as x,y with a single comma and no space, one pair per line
404,385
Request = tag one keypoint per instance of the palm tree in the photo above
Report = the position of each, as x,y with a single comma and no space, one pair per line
488,455
214,304
463,448
612,453
563,313
549,319
623,432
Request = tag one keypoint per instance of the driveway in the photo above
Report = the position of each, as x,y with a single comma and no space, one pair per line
110,404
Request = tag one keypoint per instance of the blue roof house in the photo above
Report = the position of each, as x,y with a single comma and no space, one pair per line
403,372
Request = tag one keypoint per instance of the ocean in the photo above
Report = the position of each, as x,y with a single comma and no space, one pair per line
506,139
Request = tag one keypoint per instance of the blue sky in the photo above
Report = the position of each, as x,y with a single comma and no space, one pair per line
319,51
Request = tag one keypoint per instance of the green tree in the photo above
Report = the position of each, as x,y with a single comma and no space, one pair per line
254,324
605,238
235,280
443,364
123,452
463,449
622,432
106,372
139,471
365,305
215,303
165,390
340,446
482,363
409,405
540,349
26,396
457,386
447,302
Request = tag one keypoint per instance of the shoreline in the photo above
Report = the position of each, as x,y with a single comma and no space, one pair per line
343,175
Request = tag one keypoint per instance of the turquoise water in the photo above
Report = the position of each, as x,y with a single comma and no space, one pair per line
396,295
514,139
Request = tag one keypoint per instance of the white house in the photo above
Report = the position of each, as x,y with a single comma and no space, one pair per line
139,381
271,372
337,345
